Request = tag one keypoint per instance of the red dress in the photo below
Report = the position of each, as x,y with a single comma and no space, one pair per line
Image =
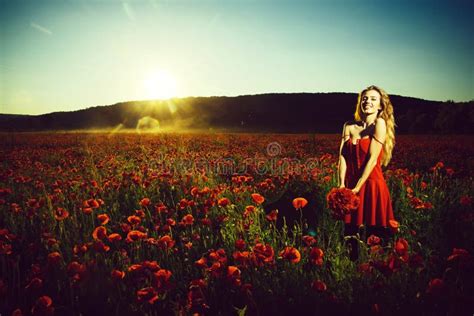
375,208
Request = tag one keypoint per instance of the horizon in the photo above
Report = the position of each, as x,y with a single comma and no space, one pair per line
70,55
215,96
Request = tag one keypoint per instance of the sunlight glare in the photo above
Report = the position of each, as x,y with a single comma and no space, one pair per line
160,85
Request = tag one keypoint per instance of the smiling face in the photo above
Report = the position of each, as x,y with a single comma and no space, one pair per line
370,102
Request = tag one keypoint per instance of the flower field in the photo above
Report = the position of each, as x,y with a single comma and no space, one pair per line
226,224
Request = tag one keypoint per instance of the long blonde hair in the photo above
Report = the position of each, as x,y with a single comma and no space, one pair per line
387,114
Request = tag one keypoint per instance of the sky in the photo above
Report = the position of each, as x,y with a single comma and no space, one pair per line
72,54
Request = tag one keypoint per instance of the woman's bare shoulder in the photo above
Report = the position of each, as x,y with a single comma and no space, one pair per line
350,123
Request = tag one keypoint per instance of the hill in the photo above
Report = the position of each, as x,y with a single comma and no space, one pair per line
286,113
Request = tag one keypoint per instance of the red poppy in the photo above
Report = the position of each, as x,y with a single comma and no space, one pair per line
218,255
394,225
117,274
99,233
103,218
201,263
54,258
459,254
342,201
145,202
263,254
319,286
114,237
291,254
43,306
299,203
135,235
365,268
257,198
75,267
161,279
316,256
435,287
373,240
166,242
272,216
309,240
147,294
223,202
188,220
248,210
241,257
61,214
401,246
233,272
240,244
134,220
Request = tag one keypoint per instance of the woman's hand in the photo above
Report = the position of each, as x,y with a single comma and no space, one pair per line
342,186
356,190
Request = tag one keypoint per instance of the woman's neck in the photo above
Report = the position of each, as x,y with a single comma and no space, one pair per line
369,120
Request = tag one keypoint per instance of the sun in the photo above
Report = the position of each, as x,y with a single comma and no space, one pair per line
160,84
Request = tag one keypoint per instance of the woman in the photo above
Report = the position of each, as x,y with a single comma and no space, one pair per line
367,143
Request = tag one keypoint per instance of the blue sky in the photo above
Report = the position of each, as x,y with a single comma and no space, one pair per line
71,54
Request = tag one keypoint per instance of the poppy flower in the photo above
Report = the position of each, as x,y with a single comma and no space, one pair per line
365,268
114,237
241,257
299,203
401,246
201,263
373,240
262,254
166,242
233,272
257,198
117,274
75,267
54,258
43,306
103,218
291,254
435,287
134,220
61,214
309,240
240,244
248,210
272,216
99,233
223,202
188,220
459,254
135,235
147,294
319,286
316,256
342,201
394,225
145,202
161,279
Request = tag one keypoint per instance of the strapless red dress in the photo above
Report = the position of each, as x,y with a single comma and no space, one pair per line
375,208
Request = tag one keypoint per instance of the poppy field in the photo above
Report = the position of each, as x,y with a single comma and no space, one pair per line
227,224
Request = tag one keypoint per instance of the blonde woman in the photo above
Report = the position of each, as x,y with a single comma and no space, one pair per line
366,146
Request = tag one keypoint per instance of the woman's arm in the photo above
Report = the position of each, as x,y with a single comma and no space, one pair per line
374,151
341,167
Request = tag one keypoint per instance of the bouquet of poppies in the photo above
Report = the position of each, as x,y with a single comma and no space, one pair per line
342,201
